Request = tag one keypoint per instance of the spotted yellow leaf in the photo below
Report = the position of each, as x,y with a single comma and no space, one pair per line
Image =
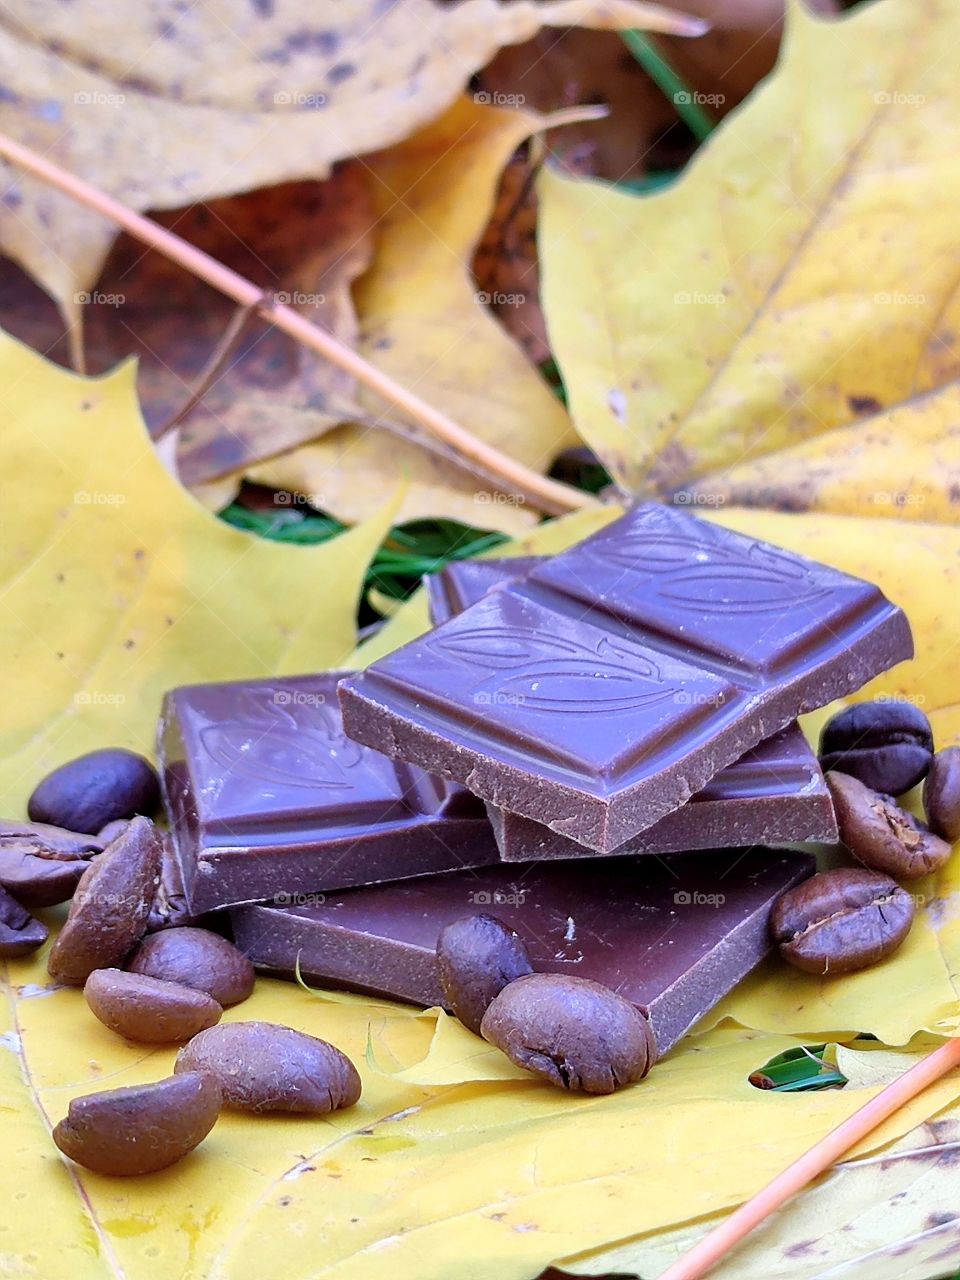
781,326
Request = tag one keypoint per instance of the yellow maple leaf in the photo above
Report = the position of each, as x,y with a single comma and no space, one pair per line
280,91
879,1216
423,322
795,290
116,585
918,567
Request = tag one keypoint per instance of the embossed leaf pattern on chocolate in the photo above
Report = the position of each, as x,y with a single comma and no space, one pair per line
308,765
559,675
705,576
255,746
355,1188
503,646
583,690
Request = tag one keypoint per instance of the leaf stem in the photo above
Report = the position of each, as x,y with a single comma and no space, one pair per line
698,121
721,1240
550,496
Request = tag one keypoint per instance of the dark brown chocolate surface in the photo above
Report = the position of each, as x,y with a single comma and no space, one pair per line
605,688
266,796
462,583
774,793
673,935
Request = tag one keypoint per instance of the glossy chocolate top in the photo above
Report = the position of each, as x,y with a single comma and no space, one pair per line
658,640
267,796
783,764
462,583
268,758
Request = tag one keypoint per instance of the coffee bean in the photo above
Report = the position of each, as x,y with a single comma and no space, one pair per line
19,932
941,794
170,909
880,834
110,907
113,829
148,1010
886,745
264,1067
142,1129
840,921
477,957
574,1033
42,865
196,958
87,793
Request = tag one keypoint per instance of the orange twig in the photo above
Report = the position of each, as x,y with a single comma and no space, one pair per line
210,371
549,495
704,1255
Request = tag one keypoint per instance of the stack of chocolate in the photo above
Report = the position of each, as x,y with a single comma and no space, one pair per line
599,748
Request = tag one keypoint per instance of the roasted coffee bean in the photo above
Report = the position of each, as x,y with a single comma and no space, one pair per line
87,793
19,932
170,908
265,1067
880,834
840,921
42,865
196,958
941,794
477,957
575,1033
113,829
886,745
148,1010
142,1129
109,910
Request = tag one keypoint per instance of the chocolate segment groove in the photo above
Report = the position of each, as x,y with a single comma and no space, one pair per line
671,645
774,792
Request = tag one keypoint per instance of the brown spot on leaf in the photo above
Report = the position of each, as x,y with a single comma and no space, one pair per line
864,404
342,71
800,1249
617,403
941,1219
323,43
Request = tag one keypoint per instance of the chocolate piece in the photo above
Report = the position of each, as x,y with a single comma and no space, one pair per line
268,798
601,691
462,583
775,792
673,935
